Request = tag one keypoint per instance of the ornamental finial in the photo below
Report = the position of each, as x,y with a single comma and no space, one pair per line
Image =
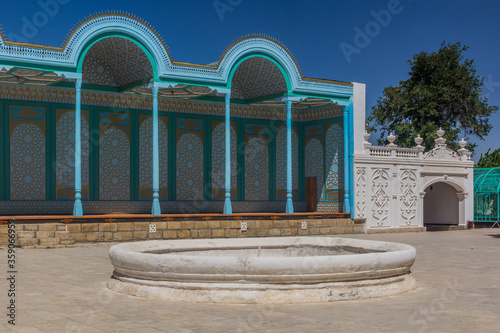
462,143
419,140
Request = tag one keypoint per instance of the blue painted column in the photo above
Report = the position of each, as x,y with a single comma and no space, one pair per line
289,203
156,210
228,209
347,174
77,208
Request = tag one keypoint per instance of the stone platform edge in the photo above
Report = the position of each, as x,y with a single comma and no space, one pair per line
61,234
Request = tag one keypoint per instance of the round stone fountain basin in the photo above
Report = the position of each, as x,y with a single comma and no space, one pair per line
262,270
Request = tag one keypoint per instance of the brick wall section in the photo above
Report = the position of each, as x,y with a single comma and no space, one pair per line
60,234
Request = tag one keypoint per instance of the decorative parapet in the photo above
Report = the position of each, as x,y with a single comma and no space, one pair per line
440,152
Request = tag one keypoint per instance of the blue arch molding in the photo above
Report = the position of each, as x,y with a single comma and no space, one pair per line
67,58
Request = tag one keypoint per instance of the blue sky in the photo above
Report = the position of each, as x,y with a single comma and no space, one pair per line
198,32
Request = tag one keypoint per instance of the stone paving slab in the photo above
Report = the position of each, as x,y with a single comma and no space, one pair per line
458,276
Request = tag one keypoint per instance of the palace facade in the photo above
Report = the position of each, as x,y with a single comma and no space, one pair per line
109,123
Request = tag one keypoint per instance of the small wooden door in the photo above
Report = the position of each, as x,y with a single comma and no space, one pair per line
311,194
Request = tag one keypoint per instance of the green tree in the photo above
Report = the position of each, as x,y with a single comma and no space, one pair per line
489,160
443,90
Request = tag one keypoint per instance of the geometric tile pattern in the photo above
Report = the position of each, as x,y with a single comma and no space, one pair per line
65,153
256,169
219,158
114,165
257,77
28,76
115,62
189,167
146,155
314,163
27,162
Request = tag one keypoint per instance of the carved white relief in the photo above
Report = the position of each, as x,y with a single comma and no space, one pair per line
360,192
442,153
408,198
380,196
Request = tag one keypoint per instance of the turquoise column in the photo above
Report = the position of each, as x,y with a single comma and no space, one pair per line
228,209
156,210
347,175
289,203
77,208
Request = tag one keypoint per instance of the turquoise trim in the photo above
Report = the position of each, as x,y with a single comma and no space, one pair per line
43,68
94,153
50,153
134,156
98,38
3,160
261,55
207,158
347,171
241,158
325,173
172,159
272,161
351,157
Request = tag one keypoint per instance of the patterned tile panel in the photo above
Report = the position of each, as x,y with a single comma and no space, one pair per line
219,158
115,62
257,77
190,166
146,157
27,153
114,156
314,162
256,162
65,154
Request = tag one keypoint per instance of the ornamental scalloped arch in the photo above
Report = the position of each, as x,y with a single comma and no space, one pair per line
103,27
264,47
114,25
260,48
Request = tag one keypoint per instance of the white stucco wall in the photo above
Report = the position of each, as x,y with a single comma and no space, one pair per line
359,109
391,184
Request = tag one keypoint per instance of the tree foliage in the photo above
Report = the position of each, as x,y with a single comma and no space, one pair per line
489,160
443,90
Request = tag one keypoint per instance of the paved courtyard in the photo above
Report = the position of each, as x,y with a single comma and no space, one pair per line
458,276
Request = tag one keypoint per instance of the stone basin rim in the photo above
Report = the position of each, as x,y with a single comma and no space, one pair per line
130,260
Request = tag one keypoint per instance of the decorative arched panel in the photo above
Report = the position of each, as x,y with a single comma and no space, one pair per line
146,157
115,62
219,158
114,156
334,186
256,162
190,167
65,154
257,77
281,157
314,159
27,153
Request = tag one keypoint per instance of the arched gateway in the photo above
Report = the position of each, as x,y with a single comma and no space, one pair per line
110,123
